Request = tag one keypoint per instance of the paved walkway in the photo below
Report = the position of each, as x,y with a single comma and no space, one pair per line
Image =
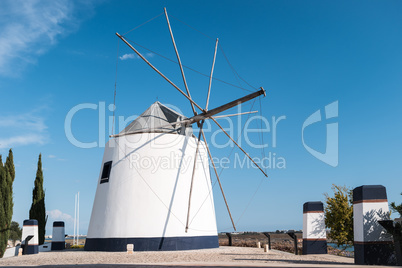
220,257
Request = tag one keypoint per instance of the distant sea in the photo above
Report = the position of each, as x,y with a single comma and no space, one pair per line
80,237
349,248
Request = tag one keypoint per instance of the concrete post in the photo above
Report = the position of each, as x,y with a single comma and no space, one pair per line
30,230
269,239
58,236
130,248
373,246
314,234
229,235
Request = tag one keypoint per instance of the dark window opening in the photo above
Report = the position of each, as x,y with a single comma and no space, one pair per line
107,167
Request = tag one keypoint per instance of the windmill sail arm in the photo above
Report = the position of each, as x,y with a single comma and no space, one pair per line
179,61
156,70
210,76
227,106
202,116
217,177
192,177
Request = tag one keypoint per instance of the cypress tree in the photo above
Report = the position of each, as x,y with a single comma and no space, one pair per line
8,197
38,211
3,237
3,228
10,164
7,176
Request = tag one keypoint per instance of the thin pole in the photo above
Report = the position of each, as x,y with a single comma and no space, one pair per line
156,70
210,76
78,218
75,216
178,59
238,146
219,181
192,176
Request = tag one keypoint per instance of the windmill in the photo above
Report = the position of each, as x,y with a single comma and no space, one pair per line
120,198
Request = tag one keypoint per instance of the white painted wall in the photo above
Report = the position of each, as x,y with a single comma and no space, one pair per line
144,185
314,225
58,234
30,230
11,252
365,217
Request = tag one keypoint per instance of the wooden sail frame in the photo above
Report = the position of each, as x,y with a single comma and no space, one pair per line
199,119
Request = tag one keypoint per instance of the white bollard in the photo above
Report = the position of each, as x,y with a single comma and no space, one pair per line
130,248
373,246
30,228
58,236
266,248
258,244
314,234
20,252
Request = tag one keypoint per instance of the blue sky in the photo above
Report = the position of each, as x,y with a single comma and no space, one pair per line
55,55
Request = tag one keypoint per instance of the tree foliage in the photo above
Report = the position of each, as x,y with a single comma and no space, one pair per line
38,210
339,215
7,176
396,208
2,213
15,231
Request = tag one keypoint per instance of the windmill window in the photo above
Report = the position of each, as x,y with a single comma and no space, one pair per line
107,167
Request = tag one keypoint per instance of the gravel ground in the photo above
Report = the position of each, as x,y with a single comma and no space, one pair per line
223,256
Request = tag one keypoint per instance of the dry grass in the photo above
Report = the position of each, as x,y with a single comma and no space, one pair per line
279,241
69,244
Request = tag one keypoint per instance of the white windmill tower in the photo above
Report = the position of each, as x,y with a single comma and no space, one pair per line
157,209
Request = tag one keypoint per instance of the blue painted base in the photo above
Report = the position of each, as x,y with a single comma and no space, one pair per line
31,249
314,247
152,243
58,245
375,254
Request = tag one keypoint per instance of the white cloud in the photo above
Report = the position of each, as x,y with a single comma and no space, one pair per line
55,157
29,27
128,56
57,215
149,55
23,121
21,140
23,129
134,56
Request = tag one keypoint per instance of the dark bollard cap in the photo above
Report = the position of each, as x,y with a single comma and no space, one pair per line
30,222
369,192
58,224
313,206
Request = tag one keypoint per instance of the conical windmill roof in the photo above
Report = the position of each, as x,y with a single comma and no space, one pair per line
157,119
